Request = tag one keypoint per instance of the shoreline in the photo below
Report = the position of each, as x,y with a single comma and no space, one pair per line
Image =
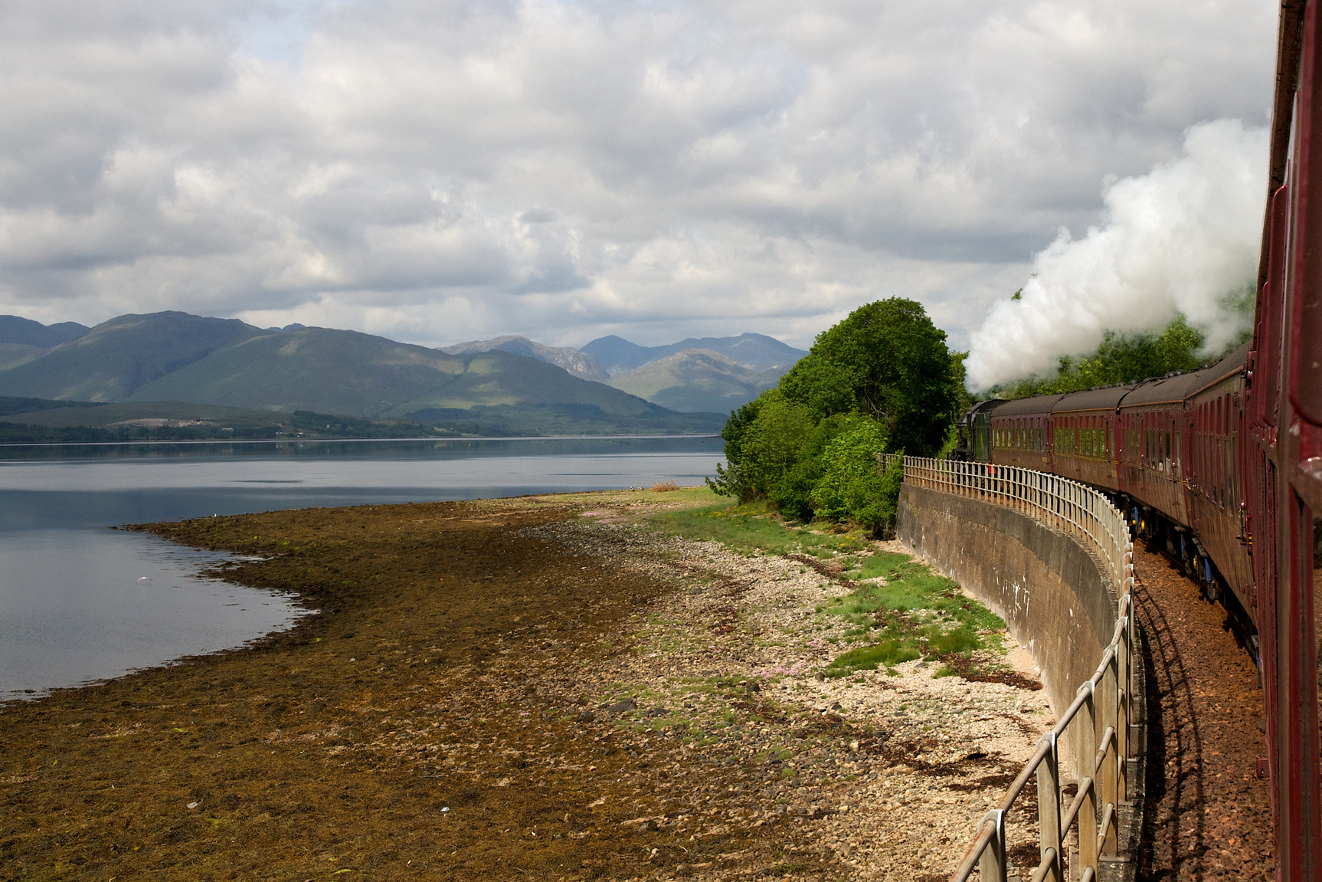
521,685
301,440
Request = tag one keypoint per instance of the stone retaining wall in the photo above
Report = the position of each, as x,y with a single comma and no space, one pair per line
1052,593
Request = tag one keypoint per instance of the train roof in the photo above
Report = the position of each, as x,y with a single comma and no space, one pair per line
1093,399
1166,390
1227,367
1040,404
1161,390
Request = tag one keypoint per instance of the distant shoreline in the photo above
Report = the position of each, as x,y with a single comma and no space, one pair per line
432,439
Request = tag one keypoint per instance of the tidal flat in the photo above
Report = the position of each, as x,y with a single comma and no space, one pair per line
556,686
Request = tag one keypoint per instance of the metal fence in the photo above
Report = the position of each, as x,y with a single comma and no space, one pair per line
1098,719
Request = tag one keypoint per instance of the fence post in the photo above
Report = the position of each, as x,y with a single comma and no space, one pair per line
1123,662
991,866
1109,773
1048,809
1087,757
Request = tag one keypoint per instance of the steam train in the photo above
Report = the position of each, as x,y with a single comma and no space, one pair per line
1166,450
1225,463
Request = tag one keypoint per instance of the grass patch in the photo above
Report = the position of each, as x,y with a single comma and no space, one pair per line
869,658
752,528
915,614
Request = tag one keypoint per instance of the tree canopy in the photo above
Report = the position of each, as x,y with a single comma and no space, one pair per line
886,361
881,380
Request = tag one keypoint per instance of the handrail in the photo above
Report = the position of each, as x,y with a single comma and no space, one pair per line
1103,702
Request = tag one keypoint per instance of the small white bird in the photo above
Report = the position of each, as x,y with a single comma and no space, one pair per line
142,579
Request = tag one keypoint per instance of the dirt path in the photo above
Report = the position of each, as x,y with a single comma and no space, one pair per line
1208,815
508,689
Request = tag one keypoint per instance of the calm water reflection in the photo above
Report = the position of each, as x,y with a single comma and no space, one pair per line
80,602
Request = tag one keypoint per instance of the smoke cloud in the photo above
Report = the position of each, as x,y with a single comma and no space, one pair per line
1182,238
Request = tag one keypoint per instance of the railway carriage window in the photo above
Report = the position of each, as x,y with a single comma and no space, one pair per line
1232,445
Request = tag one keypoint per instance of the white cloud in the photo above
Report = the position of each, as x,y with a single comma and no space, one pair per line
456,170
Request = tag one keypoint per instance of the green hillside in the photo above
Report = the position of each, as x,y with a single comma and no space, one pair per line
696,381
117,357
163,371
14,354
566,419
41,421
495,378
318,369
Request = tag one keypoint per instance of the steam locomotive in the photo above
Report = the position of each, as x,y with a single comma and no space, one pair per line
1225,464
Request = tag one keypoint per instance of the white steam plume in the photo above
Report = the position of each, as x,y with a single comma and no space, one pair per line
1182,238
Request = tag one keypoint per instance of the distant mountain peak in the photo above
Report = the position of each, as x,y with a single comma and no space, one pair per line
757,352
575,361
15,329
696,381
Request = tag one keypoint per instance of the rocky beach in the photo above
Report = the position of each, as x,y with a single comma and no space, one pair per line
555,687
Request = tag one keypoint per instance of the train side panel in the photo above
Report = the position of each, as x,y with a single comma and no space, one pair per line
1084,437
1153,429
1214,416
1021,433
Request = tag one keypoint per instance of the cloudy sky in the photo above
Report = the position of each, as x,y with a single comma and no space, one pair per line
445,170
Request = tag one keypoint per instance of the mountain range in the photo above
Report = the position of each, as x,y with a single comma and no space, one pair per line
755,352
507,385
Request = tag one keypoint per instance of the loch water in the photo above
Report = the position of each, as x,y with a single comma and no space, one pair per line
80,602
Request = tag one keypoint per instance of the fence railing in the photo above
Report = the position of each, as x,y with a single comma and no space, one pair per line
1098,719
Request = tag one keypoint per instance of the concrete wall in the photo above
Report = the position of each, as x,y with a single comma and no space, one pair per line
1050,591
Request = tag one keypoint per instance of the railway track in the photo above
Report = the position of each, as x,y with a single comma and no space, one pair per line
1208,815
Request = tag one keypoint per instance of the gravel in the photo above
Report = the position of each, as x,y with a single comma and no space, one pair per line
883,776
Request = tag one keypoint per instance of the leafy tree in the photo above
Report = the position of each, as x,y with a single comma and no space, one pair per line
881,379
732,479
775,442
888,361
851,488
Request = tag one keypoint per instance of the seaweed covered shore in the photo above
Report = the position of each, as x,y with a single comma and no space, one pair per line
543,687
